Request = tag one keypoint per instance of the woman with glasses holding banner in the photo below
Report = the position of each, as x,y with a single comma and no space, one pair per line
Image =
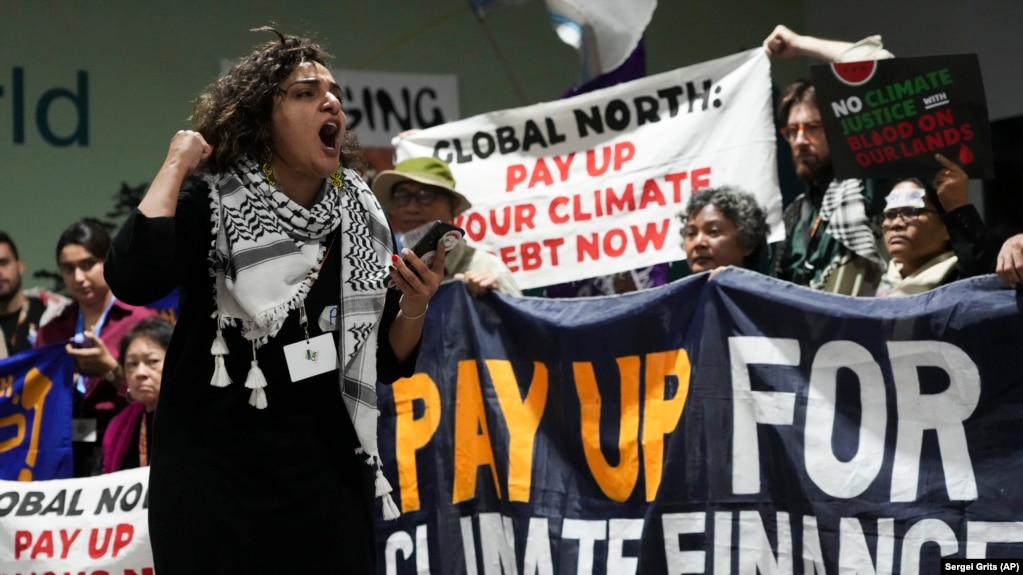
933,234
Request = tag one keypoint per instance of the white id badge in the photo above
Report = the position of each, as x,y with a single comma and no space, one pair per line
314,356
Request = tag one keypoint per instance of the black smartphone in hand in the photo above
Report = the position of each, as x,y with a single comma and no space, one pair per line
426,247
427,238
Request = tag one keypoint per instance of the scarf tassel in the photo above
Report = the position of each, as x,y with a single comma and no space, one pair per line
390,509
383,490
383,487
219,346
220,376
256,381
219,350
257,398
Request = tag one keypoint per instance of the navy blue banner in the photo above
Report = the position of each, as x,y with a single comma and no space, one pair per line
35,414
732,425
167,307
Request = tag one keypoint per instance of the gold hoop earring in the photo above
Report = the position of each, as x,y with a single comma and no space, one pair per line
335,178
268,171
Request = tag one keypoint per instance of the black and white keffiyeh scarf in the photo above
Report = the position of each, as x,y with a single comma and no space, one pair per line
265,255
843,209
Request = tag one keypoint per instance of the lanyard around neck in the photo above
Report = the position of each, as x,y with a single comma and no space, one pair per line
143,442
22,316
80,326
303,319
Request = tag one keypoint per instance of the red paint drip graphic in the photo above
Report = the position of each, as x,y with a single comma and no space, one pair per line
965,155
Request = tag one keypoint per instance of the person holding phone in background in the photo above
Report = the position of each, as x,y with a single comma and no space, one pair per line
91,329
420,191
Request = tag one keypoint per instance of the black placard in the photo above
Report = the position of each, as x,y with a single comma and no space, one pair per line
887,118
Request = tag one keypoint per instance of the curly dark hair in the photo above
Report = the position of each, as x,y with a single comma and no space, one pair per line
742,209
233,113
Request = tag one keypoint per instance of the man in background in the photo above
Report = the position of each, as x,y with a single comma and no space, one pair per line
420,191
832,231
22,312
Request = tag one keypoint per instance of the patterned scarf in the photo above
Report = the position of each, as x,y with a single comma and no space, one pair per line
265,254
843,209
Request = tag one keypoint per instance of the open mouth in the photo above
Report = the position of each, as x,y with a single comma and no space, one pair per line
330,136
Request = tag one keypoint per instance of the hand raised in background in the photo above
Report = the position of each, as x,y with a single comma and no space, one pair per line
952,184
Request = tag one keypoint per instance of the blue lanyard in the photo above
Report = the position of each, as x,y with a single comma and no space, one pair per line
80,329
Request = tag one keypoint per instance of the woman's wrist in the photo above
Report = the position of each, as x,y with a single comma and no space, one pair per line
420,315
113,374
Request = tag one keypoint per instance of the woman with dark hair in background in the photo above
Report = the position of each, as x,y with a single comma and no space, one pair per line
265,456
91,327
934,234
723,226
127,443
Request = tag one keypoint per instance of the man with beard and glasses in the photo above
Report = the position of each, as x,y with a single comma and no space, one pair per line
832,231
22,312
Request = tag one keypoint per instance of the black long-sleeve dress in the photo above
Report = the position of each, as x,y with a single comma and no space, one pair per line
975,246
235,489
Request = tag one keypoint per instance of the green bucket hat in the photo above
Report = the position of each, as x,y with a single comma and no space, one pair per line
429,171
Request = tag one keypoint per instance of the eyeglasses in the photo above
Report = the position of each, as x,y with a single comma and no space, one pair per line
907,214
812,130
423,196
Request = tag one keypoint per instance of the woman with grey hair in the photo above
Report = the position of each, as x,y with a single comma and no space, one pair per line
723,226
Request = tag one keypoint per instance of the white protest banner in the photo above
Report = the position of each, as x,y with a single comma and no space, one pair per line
592,185
83,525
380,105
